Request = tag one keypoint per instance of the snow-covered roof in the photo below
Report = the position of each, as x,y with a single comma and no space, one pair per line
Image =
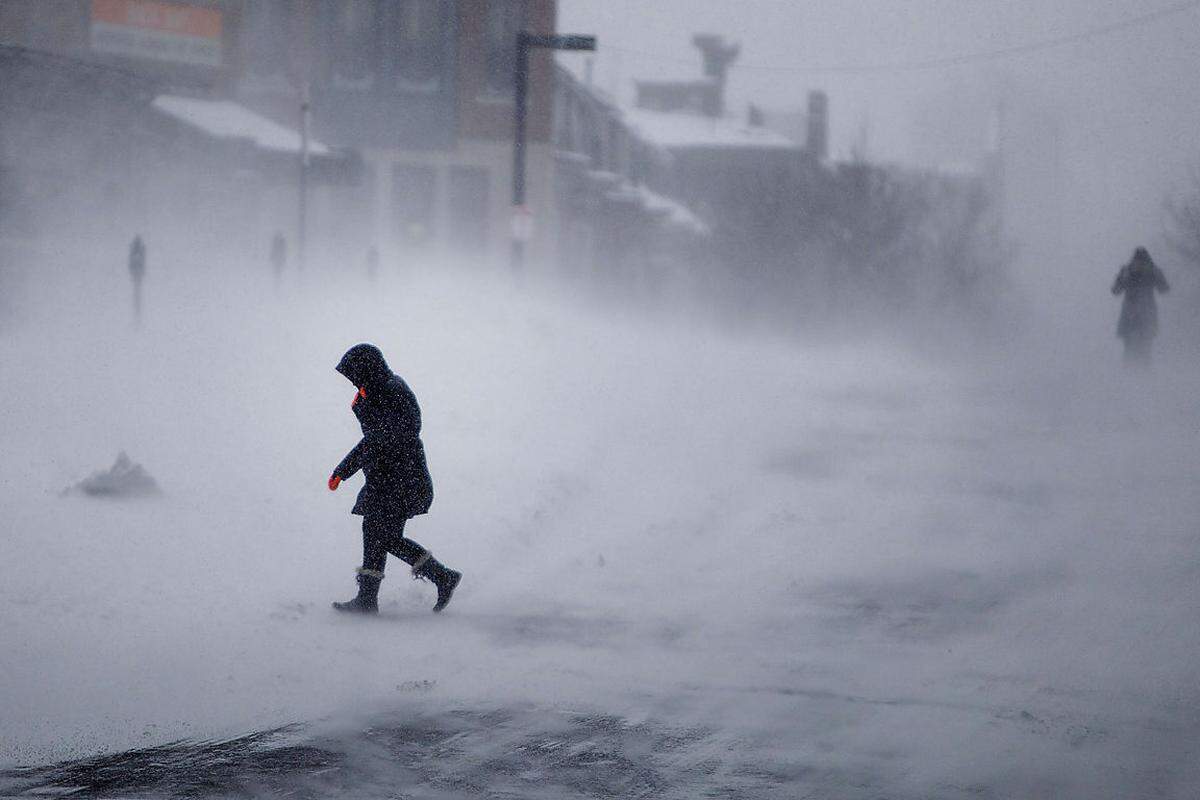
228,120
676,212
674,129
618,187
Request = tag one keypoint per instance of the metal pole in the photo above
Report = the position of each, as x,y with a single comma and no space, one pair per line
521,223
520,84
302,228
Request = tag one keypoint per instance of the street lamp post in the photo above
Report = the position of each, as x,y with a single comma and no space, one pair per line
302,227
521,227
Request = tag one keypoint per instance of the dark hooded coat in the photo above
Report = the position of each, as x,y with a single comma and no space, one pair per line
1138,280
390,454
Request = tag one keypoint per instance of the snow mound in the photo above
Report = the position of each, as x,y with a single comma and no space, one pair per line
123,479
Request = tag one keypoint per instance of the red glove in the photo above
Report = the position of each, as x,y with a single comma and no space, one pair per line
361,394
334,482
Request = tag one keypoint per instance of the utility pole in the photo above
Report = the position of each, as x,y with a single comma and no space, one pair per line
522,227
302,227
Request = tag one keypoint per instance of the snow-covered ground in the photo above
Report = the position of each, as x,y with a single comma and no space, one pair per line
695,564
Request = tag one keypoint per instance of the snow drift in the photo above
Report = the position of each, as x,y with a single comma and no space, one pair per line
123,479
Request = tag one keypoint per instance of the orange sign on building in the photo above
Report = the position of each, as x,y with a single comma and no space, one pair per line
157,30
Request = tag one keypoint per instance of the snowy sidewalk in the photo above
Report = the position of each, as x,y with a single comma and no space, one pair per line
842,573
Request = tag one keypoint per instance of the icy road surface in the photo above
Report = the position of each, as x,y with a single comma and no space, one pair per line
696,565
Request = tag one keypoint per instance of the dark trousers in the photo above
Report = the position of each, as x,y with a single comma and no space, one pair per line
382,536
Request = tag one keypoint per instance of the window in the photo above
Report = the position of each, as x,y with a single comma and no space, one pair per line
504,20
412,44
265,37
353,43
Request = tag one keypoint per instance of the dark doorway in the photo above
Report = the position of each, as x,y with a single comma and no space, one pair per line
468,201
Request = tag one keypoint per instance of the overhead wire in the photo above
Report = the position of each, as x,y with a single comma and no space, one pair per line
947,61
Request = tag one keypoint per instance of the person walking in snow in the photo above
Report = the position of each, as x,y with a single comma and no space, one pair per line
398,486
1138,281
137,273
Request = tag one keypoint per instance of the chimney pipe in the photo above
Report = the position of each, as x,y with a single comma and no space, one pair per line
717,56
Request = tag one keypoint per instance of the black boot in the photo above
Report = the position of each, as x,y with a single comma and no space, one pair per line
445,579
367,601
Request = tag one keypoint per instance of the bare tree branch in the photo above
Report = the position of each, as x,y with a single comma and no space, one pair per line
1182,222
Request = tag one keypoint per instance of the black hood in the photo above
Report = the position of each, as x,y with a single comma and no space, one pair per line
1142,262
364,365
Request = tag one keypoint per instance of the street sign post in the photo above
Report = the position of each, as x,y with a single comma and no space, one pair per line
525,41
522,224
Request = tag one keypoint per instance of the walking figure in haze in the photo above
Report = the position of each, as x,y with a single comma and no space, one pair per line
1138,281
278,255
137,273
398,485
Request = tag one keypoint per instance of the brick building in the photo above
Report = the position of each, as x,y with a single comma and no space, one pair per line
423,90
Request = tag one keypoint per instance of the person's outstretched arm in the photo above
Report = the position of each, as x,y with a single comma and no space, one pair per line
1119,284
355,460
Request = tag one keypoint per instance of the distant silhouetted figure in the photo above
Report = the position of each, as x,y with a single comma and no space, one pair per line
1138,281
278,255
372,263
137,273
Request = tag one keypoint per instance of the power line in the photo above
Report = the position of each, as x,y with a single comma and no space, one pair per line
948,61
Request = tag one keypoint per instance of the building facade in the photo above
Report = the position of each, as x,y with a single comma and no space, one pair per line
191,45
422,90
672,191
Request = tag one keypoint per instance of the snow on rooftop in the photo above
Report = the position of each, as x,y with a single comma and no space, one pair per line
676,212
673,129
228,120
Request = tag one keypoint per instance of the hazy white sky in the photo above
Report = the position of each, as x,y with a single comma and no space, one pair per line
1126,104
